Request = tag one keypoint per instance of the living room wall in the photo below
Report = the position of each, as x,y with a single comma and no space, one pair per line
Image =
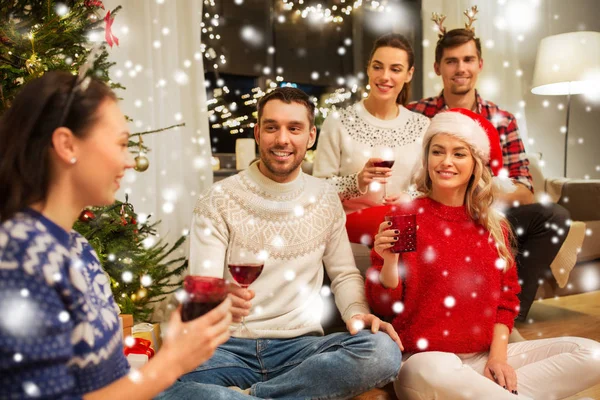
510,31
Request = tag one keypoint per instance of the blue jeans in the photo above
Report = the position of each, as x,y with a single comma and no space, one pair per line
336,366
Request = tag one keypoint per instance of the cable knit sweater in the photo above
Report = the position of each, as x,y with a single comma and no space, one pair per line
348,139
452,290
301,224
59,331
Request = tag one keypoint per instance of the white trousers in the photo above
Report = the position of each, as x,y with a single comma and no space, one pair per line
546,369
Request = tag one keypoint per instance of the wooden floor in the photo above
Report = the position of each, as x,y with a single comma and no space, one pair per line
574,315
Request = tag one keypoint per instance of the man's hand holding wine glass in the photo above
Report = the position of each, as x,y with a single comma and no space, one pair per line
241,301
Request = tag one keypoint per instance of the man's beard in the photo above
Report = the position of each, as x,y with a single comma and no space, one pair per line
272,167
461,90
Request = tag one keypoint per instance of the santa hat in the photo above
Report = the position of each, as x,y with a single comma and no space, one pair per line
479,133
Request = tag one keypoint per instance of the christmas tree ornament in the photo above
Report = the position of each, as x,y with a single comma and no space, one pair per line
123,215
141,161
34,66
94,3
108,35
87,216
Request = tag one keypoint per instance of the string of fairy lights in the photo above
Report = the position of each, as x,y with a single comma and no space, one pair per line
237,115
334,13
209,26
221,114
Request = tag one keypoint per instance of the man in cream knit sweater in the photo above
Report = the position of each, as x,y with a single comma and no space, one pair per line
300,223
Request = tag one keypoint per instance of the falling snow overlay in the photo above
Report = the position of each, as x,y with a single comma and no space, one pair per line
301,224
55,305
350,137
513,150
444,303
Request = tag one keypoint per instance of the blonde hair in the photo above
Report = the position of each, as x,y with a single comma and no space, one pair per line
478,199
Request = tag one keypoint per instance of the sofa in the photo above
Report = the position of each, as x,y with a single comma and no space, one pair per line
580,196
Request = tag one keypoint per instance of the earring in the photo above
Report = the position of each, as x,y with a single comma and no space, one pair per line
73,160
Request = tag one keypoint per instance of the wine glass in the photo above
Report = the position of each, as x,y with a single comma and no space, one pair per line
246,262
202,294
388,157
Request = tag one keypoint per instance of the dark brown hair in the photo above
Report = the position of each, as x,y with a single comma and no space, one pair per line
454,38
26,130
399,42
288,95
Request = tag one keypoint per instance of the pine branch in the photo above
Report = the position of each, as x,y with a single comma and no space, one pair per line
157,130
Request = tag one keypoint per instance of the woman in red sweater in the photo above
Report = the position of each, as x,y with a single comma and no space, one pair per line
453,301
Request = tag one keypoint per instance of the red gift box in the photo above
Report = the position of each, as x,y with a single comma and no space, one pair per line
140,346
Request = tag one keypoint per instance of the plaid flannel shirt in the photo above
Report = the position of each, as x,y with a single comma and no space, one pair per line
513,152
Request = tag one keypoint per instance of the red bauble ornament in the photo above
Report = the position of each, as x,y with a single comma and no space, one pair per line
86,216
94,3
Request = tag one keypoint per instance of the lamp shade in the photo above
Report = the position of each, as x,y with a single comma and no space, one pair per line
568,63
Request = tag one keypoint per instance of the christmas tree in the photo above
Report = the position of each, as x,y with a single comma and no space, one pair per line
138,268
43,35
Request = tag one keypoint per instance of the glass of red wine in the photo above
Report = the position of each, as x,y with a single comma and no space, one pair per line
246,262
387,156
203,293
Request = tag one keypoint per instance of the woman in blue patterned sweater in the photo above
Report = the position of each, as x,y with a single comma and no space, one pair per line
63,146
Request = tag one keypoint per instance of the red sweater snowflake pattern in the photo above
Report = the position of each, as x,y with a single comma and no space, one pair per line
453,289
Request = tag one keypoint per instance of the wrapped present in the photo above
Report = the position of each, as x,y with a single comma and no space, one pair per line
138,351
126,321
136,361
138,346
149,332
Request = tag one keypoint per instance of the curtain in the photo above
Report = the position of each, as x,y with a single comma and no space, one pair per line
158,60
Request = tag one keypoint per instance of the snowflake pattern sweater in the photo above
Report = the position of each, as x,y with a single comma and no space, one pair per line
59,330
451,291
301,226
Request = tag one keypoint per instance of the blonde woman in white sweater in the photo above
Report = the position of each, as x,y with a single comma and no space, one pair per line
350,139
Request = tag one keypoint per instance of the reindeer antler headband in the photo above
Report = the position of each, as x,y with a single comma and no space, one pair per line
470,14
439,21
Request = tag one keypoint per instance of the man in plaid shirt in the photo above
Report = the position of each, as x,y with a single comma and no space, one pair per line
458,61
